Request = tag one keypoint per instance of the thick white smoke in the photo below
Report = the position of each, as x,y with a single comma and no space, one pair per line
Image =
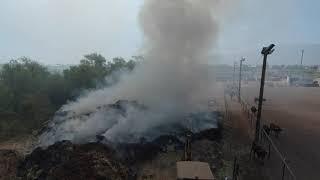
171,82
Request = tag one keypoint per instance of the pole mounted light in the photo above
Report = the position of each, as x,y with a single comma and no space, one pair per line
302,53
265,52
268,50
240,73
234,75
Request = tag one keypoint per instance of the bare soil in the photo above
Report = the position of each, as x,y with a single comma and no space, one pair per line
9,161
238,144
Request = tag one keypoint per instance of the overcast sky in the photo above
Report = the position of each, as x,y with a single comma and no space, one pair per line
61,31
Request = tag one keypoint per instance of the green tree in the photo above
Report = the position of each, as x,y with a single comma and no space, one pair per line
30,94
23,95
91,70
23,76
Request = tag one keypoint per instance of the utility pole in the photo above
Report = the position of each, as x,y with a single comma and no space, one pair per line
265,52
302,54
239,90
302,69
234,74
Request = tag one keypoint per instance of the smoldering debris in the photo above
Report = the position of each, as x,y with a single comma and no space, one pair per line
67,125
96,160
116,122
99,156
65,160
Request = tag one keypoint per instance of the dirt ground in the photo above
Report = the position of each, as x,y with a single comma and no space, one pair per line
296,110
238,139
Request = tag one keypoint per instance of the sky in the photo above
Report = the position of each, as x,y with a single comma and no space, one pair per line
62,31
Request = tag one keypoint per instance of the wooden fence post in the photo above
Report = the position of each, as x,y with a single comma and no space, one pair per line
283,170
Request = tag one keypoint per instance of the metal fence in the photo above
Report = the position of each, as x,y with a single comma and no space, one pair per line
285,170
227,114
274,157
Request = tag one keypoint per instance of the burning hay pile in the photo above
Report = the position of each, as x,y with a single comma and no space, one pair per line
65,160
98,137
171,81
98,157
115,123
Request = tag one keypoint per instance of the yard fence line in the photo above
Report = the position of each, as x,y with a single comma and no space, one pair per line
246,108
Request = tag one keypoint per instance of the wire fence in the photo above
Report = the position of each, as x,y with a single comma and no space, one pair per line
285,171
227,115
275,158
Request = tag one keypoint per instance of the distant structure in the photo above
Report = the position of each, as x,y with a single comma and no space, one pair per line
298,80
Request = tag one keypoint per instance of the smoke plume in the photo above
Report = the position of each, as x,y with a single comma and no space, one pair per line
171,82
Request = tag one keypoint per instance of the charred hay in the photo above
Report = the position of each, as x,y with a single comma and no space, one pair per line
115,160
65,160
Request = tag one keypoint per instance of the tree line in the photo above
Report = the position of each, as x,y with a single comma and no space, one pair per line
30,93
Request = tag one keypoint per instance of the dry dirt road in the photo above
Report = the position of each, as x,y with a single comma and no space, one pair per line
297,110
